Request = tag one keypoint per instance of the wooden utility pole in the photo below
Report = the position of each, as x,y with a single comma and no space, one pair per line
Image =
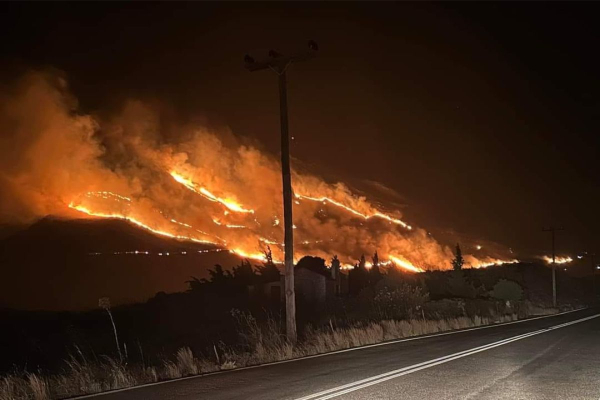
279,64
592,257
553,230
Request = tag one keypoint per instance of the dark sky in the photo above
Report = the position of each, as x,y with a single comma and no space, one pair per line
484,117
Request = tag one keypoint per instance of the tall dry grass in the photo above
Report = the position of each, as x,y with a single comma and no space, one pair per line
260,344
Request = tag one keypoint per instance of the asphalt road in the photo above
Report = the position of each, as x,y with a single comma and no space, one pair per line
548,358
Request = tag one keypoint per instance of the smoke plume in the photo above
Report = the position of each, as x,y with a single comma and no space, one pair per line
187,182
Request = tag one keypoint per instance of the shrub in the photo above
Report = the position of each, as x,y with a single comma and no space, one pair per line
459,287
444,309
507,290
399,301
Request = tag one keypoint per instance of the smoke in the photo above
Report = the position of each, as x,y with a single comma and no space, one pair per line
182,181
48,151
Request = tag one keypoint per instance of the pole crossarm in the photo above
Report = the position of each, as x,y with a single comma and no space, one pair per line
278,63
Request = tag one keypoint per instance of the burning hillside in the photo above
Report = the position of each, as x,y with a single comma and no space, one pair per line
186,183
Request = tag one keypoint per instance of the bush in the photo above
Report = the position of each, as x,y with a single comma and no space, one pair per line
444,309
459,287
399,302
507,290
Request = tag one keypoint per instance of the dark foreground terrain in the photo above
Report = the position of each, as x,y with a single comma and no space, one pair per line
544,358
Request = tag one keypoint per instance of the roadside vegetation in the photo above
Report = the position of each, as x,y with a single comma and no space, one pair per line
217,325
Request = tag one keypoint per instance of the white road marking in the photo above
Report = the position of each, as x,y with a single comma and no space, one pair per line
454,332
374,380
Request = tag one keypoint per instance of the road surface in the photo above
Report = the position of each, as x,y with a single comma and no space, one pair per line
556,357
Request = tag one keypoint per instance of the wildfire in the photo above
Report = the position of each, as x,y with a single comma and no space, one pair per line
402,263
218,222
134,221
377,214
108,195
252,256
558,260
181,223
494,262
230,204
236,187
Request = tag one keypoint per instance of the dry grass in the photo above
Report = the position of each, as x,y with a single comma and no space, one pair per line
261,344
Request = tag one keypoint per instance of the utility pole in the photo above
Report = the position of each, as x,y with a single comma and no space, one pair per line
279,64
592,257
552,230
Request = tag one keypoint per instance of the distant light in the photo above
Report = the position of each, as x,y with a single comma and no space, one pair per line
478,247
580,257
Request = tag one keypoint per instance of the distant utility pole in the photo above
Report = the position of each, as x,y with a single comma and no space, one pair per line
279,64
553,230
592,257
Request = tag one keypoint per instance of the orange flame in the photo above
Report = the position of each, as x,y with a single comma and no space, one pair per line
355,212
136,222
558,260
486,264
402,263
188,183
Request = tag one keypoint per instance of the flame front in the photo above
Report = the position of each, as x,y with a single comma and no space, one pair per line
188,183
402,263
355,212
557,259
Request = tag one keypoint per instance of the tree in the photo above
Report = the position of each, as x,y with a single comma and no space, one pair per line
362,263
195,284
358,277
375,272
218,276
314,264
375,260
244,274
268,272
335,266
458,261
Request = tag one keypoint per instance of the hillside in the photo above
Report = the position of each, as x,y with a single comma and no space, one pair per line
58,264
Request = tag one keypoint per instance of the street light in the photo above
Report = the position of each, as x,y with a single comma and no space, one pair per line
279,64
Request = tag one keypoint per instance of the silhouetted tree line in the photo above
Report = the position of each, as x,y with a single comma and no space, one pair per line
361,277
236,281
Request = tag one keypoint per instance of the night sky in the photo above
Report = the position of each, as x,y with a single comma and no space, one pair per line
482,117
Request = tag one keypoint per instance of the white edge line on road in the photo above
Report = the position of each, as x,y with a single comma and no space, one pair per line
453,332
374,380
